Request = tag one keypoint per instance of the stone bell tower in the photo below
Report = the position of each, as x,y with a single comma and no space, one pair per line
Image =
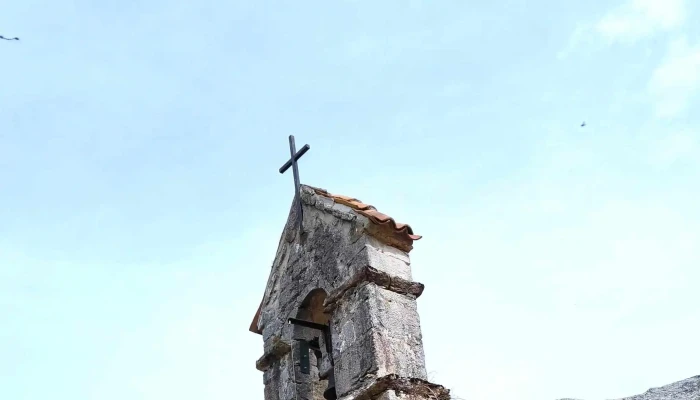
339,317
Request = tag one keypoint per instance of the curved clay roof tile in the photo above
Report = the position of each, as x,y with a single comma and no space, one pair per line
370,212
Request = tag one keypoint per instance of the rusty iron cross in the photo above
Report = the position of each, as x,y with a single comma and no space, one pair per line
295,156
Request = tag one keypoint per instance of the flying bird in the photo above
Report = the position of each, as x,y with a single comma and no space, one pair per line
4,38
583,124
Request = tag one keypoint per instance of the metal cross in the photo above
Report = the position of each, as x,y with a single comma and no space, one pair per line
295,156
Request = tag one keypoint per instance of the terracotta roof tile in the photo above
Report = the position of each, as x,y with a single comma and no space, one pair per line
370,212
254,325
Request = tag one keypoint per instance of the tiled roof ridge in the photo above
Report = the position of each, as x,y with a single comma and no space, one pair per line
369,211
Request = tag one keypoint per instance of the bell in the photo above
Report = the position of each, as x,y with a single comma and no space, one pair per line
330,394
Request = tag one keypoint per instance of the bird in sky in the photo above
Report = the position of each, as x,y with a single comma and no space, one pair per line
4,38
583,124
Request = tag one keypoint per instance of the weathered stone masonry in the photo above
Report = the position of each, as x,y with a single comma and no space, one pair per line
349,269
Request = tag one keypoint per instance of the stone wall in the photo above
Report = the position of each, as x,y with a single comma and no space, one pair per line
371,302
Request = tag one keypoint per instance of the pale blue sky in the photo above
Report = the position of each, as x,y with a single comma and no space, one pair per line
141,207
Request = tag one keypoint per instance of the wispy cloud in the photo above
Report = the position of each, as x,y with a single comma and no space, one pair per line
632,21
676,80
639,19
679,147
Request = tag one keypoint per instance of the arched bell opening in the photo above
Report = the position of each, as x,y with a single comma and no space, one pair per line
313,350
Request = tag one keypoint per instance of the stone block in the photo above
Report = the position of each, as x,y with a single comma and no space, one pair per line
354,364
380,257
376,332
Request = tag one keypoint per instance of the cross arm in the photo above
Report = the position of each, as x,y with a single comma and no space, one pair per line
296,158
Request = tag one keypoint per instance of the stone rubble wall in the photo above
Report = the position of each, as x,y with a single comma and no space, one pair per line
375,325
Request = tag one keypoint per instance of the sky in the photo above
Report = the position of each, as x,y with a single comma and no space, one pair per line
141,204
